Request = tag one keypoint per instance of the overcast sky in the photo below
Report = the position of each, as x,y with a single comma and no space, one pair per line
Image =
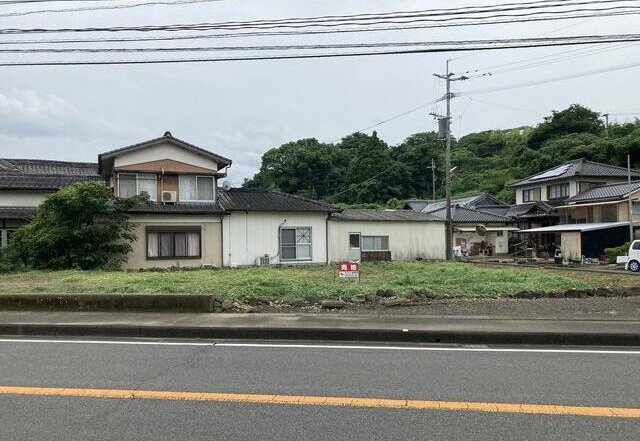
242,109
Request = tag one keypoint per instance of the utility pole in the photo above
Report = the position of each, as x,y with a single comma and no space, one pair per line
448,77
433,179
630,202
606,123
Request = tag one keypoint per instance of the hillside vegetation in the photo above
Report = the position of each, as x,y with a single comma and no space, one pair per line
363,170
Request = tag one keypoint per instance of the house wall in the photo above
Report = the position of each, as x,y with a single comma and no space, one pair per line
573,187
161,151
210,234
249,235
17,198
570,244
407,240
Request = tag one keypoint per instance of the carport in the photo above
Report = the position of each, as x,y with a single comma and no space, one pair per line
588,240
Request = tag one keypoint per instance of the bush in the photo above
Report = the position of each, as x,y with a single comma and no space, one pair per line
614,252
83,226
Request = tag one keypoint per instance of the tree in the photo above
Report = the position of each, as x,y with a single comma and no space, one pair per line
83,226
574,119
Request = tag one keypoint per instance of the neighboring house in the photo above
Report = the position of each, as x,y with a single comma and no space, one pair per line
374,235
24,183
567,180
472,200
595,219
466,225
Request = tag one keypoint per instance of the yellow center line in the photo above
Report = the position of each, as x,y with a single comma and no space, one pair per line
302,400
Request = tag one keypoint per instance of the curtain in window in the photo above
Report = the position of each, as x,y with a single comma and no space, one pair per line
180,244
127,185
193,244
166,244
205,188
148,182
152,244
188,188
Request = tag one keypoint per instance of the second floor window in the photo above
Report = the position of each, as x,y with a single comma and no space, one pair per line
196,188
531,195
131,184
557,191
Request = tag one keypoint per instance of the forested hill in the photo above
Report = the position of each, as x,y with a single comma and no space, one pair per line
363,169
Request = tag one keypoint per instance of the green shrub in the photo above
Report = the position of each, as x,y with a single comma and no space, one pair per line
614,252
83,226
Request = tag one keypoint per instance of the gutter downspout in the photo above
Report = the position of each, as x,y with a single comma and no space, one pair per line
630,203
326,236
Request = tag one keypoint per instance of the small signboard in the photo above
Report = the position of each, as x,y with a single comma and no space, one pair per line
349,270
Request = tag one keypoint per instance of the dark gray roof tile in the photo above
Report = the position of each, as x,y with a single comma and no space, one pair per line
17,212
385,215
470,215
601,193
577,168
254,199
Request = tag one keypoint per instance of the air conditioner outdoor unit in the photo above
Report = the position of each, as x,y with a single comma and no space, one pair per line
169,196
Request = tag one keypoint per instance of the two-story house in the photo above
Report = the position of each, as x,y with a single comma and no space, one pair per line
589,213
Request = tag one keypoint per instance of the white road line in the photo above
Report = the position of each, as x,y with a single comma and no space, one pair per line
429,348
312,346
106,342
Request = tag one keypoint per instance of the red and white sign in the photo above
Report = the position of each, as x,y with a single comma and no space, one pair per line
348,270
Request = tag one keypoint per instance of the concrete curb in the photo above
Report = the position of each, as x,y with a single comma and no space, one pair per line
324,334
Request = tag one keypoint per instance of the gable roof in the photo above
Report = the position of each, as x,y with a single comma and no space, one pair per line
385,215
258,199
38,174
604,193
167,137
531,209
577,167
470,215
464,200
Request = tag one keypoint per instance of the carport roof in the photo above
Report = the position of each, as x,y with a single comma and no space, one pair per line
576,227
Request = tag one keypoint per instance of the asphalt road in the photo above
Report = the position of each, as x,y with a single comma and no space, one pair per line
477,374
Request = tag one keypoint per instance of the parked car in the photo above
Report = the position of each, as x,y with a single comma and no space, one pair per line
632,259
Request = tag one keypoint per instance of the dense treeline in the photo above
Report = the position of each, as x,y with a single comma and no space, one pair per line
363,169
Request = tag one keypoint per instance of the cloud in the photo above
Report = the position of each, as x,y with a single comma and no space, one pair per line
27,113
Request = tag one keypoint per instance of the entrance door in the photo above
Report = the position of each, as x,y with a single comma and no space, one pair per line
354,246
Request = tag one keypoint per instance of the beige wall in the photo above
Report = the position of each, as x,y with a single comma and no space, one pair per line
407,240
16,198
570,244
573,187
250,235
165,150
211,246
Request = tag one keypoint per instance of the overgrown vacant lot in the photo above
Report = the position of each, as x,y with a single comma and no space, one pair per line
454,279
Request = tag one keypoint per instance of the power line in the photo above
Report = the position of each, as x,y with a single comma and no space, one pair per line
275,24
101,8
307,32
586,39
309,56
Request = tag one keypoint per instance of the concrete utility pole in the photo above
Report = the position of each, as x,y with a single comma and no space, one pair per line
433,179
448,77
606,123
630,202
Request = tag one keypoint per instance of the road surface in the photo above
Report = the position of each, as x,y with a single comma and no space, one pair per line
151,390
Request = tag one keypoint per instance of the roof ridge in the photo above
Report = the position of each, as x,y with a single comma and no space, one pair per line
612,185
92,164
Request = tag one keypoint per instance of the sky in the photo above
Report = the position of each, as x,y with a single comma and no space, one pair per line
242,109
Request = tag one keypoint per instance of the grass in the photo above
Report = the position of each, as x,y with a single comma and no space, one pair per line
452,279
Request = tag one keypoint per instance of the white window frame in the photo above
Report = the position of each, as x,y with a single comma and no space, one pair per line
373,235
359,240
557,187
532,193
153,197
196,178
297,259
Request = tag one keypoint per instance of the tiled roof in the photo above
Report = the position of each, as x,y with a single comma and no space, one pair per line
255,199
465,200
417,204
167,136
9,181
531,209
46,167
181,208
604,193
578,167
385,215
17,212
470,215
